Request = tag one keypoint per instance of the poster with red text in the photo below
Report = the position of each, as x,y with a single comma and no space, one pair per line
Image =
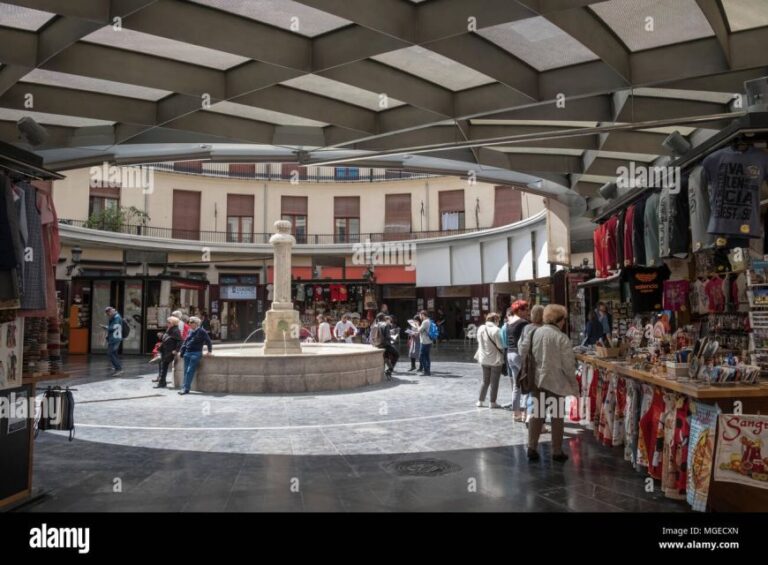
742,450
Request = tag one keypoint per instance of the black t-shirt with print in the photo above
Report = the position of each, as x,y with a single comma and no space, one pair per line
646,286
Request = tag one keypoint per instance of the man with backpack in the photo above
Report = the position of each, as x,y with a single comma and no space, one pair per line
115,334
381,337
428,334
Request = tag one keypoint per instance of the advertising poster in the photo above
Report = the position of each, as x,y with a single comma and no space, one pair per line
11,342
132,315
742,450
701,451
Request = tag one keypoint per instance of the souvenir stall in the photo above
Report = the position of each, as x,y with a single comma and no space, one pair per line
333,299
677,379
30,331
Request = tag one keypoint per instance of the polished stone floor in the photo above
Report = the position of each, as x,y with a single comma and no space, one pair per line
413,444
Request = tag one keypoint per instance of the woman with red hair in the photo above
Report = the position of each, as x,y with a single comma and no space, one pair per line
517,319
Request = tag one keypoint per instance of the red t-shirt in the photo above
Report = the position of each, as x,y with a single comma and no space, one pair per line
611,241
714,290
626,237
597,239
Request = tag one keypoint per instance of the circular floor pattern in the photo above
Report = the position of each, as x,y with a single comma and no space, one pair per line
410,414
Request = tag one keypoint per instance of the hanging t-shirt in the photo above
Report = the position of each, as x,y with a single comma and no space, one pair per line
334,289
629,226
727,292
270,291
646,285
318,292
715,297
740,293
734,179
620,240
300,293
638,233
698,210
609,235
597,246
652,231
699,301
676,295
674,221
343,297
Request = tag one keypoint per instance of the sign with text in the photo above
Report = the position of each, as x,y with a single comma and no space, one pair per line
237,293
742,450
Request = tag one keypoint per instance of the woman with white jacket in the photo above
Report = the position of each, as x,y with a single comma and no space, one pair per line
490,355
555,379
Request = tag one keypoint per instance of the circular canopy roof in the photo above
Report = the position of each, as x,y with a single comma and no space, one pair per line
327,79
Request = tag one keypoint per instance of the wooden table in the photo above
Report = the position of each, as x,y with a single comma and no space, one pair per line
756,396
723,497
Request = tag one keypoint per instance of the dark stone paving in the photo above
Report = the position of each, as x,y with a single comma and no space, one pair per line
109,474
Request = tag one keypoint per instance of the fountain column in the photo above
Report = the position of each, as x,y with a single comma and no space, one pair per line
282,325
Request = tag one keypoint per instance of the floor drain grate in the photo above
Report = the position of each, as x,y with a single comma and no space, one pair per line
425,468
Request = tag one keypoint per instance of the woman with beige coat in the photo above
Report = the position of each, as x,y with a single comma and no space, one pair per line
490,355
555,379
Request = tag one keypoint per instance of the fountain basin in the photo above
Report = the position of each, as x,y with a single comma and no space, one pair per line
319,367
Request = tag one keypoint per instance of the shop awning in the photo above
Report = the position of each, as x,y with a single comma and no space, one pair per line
599,281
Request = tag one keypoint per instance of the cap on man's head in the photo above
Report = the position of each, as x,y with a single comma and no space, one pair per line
108,309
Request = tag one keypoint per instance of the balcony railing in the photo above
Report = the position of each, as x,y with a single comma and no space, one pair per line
204,236
275,172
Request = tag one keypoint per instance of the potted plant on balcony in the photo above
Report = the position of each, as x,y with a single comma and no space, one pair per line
118,219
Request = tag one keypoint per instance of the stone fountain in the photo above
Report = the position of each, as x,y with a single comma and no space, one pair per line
282,364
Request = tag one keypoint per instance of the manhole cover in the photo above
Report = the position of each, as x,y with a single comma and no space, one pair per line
425,468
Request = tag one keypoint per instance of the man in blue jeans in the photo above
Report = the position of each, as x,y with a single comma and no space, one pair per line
192,351
114,329
426,344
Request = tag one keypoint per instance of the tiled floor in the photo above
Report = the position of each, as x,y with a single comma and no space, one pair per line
140,449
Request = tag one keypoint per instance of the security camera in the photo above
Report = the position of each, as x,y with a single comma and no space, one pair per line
676,143
31,132
609,190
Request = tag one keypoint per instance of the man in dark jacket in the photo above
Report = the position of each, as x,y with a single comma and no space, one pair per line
114,329
192,351
171,341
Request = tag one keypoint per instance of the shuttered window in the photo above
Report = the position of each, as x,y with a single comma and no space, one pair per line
294,209
397,216
240,205
186,214
245,170
346,207
294,205
188,166
508,205
451,204
451,201
346,216
240,218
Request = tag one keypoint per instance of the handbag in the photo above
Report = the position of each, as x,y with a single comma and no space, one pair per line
526,380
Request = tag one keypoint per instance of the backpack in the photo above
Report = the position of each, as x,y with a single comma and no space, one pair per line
526,378
64,417
375,337
126,329
434,331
